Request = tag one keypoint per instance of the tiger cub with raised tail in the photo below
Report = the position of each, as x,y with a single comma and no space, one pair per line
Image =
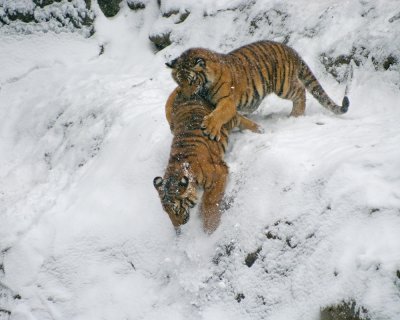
196,162
240,79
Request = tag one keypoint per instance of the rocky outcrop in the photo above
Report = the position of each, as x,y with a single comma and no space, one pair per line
109,7
136,4
344,311
47,15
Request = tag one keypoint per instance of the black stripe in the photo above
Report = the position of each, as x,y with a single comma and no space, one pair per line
249,81
289,76
274,69
227,96
256,95
268,66
269,53
275,48
214,92
246,98
284,59
264,61
309,81
278,68
216,83
204,141
187,134
257,66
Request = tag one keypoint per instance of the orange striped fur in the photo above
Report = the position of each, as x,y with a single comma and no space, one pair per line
240,79
195,162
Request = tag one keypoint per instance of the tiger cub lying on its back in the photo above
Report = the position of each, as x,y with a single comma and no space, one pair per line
196,161
240,79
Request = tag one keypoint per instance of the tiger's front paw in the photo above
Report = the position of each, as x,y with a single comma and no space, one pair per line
211,128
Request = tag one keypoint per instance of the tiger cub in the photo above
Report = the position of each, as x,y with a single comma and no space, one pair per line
196,162
240,79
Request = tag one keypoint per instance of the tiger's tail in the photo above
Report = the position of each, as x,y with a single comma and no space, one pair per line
314,87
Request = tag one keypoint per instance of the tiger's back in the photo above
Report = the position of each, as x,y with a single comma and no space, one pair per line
240,79
261,68
272,67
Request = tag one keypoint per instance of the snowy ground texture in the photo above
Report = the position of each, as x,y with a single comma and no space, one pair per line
315,217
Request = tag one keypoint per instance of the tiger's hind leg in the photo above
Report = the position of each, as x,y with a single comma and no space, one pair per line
169,105
212,200
298,96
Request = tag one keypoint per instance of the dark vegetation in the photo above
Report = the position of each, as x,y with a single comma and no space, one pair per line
82,18
109,7
344,311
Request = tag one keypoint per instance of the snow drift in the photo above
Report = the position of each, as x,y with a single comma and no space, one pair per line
314,213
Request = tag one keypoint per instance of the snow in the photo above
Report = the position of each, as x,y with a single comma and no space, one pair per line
60,16
82,231
24,6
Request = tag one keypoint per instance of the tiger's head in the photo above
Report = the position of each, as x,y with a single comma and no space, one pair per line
177,195
194,70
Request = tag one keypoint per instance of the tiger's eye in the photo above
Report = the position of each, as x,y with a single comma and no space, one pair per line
200,62
184,182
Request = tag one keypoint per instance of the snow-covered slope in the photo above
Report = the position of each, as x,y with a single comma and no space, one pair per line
315,201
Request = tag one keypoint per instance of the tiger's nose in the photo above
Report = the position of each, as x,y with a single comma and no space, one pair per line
176,208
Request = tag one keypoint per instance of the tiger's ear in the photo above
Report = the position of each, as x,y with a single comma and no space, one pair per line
157,182
171,64
184,182
200,62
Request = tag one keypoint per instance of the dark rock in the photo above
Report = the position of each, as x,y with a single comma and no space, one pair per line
101,50
5,311
344,311
182,15
109,7
290,243
389,61
239,297
42,3
136,5
394,18
358,55
87,20
88,4
335,273
161,41
252,257
224,251
271,235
